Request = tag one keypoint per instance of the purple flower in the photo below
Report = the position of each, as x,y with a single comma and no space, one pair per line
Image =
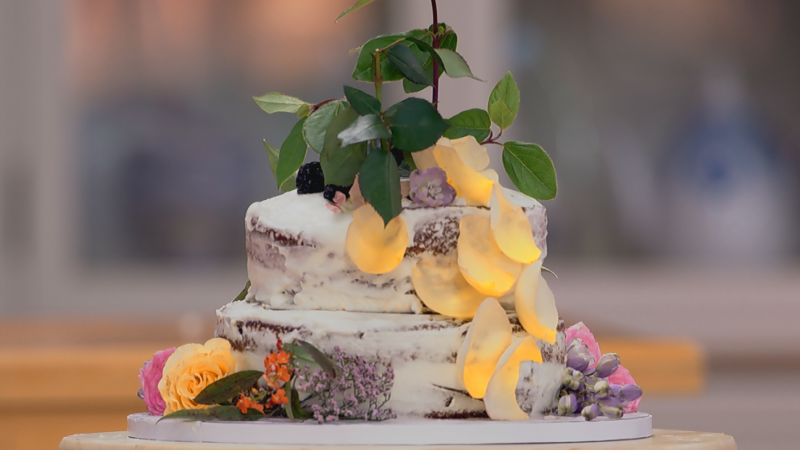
607,365
149,376
429,187
590,412
567,405
578,356
360,391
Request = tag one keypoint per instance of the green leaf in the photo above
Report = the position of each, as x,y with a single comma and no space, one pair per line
318,122
504,102
273,155
243,294
277,102
380,184
424,44
501,115
358,4
530,169
228,387
228,413
292,154
455,65
341,164
304,109
415,124
472,122
364,70
293,408
403,59
308,354
449,41
362,102
365,128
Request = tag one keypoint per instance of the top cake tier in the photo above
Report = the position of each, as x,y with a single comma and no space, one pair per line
296,256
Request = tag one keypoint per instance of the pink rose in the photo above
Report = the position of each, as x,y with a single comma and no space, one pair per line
623,378
581,331
149,376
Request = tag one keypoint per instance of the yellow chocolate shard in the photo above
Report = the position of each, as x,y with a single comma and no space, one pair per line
535,304
371,246
488,337
501,397
469,184
440,285
512,229
471,152
481,261
424,159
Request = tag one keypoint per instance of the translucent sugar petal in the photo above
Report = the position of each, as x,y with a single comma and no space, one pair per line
373,247
440,285
512,229
501,397
481,261
535,304
471,152
488,337
469,184
424,159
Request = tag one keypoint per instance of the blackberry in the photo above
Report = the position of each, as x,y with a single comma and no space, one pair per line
310,179
331,190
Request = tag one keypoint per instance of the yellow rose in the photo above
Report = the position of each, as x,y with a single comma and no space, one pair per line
190,369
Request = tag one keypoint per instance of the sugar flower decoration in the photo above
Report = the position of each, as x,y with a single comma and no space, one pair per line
584,335
622,377
337,205
429,187
190,369
465,161
373,247
149,377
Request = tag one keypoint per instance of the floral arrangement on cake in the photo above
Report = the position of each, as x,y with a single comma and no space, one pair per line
200,382
374,162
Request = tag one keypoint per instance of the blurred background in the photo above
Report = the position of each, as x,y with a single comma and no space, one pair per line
130,149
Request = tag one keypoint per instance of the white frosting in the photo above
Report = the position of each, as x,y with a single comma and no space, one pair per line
312,270
421,349
304,286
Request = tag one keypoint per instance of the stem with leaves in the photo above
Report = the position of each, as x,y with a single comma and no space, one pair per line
376,64
436,38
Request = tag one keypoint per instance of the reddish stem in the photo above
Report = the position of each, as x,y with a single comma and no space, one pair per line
435,62
319,105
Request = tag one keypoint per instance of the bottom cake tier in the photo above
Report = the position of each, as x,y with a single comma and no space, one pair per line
421,349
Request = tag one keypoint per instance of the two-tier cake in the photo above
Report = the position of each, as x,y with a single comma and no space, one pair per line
396,278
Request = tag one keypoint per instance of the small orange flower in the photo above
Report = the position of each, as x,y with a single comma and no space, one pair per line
274,359
279,397
246,403
283,374
272,380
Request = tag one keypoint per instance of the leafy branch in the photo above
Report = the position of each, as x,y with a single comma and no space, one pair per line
355,135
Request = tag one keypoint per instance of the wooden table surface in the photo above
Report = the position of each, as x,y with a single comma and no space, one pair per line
661,440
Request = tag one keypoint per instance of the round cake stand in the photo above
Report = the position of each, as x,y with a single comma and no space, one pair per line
416,432
660,440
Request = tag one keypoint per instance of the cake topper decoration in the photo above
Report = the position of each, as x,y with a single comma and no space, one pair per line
357,134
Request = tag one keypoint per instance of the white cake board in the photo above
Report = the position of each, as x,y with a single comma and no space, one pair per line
393,432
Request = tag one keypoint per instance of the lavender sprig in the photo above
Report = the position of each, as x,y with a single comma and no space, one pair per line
360,391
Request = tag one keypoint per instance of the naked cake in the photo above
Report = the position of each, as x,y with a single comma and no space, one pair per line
395,277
